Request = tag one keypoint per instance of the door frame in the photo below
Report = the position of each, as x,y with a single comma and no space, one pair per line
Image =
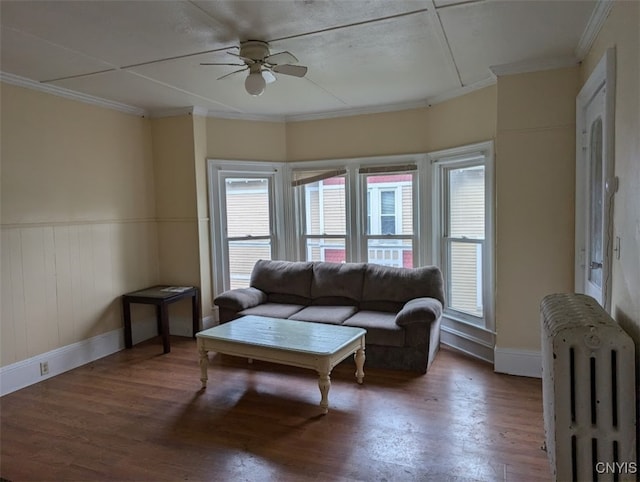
602,76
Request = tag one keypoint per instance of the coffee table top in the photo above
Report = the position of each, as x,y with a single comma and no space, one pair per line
298,336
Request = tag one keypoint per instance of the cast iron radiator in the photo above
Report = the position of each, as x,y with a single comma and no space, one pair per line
588,384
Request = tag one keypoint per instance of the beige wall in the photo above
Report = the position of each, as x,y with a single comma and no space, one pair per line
246,140
78,220
204,243
535,179
621,30
464,120
176,141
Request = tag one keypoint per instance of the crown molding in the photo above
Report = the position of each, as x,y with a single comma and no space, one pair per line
452,94
534,65
377,109
215,114
178,111
71,94
395,107
591,31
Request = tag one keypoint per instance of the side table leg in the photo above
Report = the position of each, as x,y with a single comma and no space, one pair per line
195,311
204,364
359,359
164,321
126,313
324,382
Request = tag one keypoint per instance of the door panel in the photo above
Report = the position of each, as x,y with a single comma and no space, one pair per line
595,193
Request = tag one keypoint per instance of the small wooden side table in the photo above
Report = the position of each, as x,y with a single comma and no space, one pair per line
160,296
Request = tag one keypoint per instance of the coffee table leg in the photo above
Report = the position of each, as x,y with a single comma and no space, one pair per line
359,359
204,364
324,382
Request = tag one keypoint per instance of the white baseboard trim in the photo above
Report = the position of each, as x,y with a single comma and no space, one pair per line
466,344
524,363
27,372
209,322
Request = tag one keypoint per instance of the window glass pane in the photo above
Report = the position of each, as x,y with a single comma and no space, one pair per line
389,204
325,207
595,217
247,207
466,202
465,277
332,250
388,224
242,256
390,252
368,212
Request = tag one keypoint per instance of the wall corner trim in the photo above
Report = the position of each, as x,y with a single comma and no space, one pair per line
524,363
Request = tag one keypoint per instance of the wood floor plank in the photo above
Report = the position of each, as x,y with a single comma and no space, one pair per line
140,415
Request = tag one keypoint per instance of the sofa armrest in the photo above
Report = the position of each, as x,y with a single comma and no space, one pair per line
240,298
419,310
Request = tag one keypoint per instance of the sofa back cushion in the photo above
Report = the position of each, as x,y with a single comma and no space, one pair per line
387,288
283,281
337,283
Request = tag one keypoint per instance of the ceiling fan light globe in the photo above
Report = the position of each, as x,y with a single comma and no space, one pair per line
255,83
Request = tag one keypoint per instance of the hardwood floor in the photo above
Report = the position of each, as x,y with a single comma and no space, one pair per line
140,415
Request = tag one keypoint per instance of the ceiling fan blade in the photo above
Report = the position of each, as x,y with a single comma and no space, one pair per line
218,63
281,58
231,73
268,76
287,69
246,60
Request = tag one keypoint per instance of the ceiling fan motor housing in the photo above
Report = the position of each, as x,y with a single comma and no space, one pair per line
256,50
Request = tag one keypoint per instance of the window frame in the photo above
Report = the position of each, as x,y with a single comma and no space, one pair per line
376,211
218,172
443,162
355,203
300,197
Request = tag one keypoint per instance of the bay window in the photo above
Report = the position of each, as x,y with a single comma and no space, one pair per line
402,211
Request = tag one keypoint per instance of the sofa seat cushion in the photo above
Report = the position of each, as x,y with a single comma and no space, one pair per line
381,327
272,310
334,315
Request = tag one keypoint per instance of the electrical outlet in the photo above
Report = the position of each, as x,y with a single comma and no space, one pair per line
44,368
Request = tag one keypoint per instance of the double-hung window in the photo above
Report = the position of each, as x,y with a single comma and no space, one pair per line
245,225
388,215
321,203
463,228
356,213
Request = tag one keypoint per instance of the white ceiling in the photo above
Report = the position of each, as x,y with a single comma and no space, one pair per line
362,55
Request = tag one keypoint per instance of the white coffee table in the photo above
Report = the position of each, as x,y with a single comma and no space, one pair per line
317,346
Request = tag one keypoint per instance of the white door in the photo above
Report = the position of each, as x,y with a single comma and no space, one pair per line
595,183
595,198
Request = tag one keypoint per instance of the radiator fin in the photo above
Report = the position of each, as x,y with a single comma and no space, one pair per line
588,379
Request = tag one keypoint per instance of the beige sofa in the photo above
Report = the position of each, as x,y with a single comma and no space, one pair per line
399,307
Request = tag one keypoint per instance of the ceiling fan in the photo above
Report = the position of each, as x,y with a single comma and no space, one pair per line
262,65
